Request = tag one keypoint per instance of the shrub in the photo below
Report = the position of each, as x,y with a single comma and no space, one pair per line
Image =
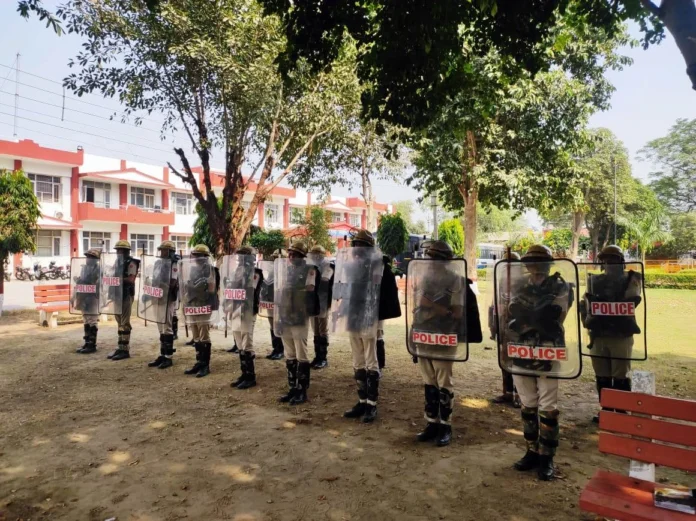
682,280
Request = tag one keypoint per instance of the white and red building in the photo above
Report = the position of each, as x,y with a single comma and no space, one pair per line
89,201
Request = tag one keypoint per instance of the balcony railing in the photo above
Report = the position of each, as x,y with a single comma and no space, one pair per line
125,214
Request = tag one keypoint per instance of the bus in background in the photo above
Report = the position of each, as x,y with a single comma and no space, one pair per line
488,253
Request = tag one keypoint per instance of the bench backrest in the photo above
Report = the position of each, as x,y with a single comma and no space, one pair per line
662,441
45,293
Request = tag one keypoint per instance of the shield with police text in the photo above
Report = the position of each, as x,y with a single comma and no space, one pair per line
436,309
267,287
199,297
538,326
84,286
237,289
613,310
156,279
356,290
326,272
111,288
294,296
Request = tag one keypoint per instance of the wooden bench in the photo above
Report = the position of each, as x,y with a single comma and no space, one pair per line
50,299
639,437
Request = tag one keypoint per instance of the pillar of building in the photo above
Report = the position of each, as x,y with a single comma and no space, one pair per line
123,236
286,214
260,214
165,233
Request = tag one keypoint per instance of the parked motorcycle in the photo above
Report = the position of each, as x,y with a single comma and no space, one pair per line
56,272
42,273
23,273
6,272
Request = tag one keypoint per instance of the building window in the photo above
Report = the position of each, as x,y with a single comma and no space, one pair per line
48,243
181,242
97,193
182,203
142,197
297,215
99,240
271,213
46,188
336,217
354,220
142,244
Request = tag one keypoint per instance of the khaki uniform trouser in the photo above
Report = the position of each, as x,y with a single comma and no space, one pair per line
200,332
437,373
124,322
380,330
364,352
537,392
90,320
607,347
244,340
166,328
295,341
320,326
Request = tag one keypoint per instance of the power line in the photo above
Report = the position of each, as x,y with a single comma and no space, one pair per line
9,73
82,124
83,132
82,112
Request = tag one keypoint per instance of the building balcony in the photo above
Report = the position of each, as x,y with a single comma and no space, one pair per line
124,214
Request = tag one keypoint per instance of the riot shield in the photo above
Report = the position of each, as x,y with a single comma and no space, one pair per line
326,271
436,309
155,279
267,286
488,298
538,327
237,291
293,289
84,286
355,298
613,311
199,298
111,290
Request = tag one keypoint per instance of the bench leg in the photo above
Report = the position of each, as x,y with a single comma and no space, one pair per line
53,322
43,320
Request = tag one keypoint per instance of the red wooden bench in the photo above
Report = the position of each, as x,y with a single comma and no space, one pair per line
49,300
660,441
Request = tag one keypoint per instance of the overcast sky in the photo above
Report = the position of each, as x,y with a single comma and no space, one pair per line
650,95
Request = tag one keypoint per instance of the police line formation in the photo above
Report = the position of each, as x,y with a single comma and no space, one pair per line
542,325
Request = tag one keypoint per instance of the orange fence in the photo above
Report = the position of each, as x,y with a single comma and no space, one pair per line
671,266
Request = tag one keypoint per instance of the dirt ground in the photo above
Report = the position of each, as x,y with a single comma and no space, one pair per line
85,438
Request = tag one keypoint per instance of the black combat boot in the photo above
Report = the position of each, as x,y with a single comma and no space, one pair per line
199,362
372,396
317,352
249,371
445,433
175,327
432,414
530,427
121,353
381,354
323,353
549,434
292,367
603,382
358,409
234,349
545,471
242,368
168,350
191,343
278,348
529,461
206,349
158,361
303,372
85,338
90,341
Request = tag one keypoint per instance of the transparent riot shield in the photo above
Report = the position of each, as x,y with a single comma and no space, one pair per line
199,298
111,289
488,298
156,275
294,294
237,289
613,311
267,286
356,289
326,272
436,309
84,286
538,327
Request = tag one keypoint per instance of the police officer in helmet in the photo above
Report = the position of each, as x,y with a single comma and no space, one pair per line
129,265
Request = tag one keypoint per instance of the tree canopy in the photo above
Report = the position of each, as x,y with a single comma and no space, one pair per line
452,232
392,235
315,228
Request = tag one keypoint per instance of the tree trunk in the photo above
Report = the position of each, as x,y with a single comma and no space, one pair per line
594,238
578,218
470,226
368,197
607,235
680,18
2,282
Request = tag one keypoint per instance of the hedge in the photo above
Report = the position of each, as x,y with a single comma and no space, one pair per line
683,280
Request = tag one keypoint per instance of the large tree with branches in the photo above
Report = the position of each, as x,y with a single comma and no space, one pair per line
210,68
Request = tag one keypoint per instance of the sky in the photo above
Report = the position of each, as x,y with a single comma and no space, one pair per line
650,96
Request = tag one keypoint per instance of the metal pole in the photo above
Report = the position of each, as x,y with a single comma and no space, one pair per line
433,202
16,103
613,161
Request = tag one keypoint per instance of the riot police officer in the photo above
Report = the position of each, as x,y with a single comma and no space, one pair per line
611,337
129,266
87,301
167,273
363,329
200,300
320,323
267,306
242,286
